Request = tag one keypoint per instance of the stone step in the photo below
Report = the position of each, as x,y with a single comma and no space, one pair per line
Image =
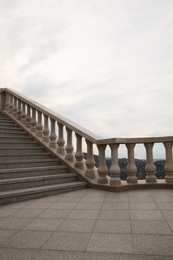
16,138
9,130
11,164
21,150
36,192
35,181
16,144
24,156
32,171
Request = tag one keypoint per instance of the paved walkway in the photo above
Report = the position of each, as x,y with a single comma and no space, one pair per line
89,224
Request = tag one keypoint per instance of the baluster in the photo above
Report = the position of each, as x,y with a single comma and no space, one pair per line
114,169
150,167
46,131
102,168
131,167
10,103
19,111
53,135
15,106
79,155
90,163
61,141
169,163
7,102
33,120
69,147
23,114
39,128
28,116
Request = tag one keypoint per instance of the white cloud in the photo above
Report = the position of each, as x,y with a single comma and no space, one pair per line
106,64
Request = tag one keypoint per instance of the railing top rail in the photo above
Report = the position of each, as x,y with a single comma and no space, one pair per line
83,131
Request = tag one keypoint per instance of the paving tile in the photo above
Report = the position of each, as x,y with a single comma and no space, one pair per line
114,214
70,199
27,213
165,205
153,244
168,214
139,193
63,205
28,254
150,227
43,224
6,212
110,243
6,234
84,214
139,214
141,199
77,225
27,239
89,205
170,222
67,241
116,199
112,226
55,213
39,205
143,205
92,199
14,223
116,205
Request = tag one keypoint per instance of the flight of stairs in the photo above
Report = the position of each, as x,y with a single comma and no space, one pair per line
26,169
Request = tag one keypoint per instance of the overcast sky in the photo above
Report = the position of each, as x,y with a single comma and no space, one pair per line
105,64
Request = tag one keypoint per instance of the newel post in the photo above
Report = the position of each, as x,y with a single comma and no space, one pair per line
102,168
114,169
169,163
90,163
150,168
131,167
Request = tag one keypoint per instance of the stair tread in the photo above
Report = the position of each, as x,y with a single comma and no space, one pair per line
32,178
32,168
42,188
30,160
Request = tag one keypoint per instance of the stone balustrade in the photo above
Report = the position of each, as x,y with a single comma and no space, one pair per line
68,141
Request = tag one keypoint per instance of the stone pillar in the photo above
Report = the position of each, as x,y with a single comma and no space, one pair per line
19,111
60,141
28,116
69,147
23,113
150,167
2,99
46,131
131,167
33,120
90,163
169,162
7,101
11,103
15,107
53,135
102,168
39,128
114,169
79,155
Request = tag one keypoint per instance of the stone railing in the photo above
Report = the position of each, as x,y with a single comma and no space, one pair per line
68,141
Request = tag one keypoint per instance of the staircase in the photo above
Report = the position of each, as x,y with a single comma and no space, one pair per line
26,169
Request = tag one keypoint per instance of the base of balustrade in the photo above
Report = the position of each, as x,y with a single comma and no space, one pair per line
124,186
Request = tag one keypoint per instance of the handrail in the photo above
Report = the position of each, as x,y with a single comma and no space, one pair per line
48,127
